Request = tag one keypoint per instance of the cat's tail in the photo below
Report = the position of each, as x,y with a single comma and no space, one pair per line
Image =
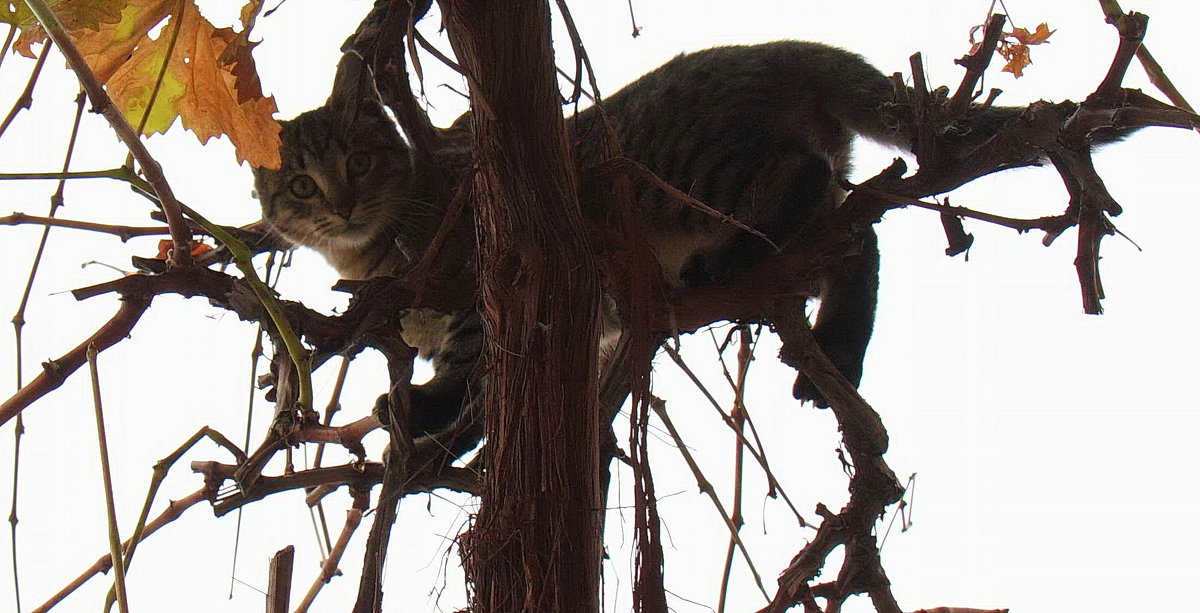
864,100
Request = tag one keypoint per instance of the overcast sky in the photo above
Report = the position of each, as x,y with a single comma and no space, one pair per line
1054,451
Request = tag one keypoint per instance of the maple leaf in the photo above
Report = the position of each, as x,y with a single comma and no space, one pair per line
192,70
75,15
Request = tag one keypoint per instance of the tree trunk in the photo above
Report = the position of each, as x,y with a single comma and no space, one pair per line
535,545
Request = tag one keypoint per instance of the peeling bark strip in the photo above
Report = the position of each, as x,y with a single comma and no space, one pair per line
535,545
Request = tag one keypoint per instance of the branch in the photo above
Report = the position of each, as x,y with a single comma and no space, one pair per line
122,232
55,372
872,488
102,565
357,475
976,63
180,235
329,566
1132,28
25,100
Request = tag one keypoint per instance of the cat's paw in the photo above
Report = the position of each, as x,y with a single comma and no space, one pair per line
849,363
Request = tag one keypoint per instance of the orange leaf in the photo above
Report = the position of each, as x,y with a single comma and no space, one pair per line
1037,37
75,15
210,81
214,103
165,247
1018,59
211,97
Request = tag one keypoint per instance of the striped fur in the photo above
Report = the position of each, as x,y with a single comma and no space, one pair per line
760,132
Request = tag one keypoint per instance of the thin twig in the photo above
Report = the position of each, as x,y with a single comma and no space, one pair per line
122,232
659,407
104,563
25,100
8,39
758,455
329,566
158,475
114,533
18,321
739,419
640,171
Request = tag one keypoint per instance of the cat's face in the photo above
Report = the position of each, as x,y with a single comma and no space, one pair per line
340,187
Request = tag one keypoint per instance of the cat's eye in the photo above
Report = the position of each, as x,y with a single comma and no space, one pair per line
358,163
303,187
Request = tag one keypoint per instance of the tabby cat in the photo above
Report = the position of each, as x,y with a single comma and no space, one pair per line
759,132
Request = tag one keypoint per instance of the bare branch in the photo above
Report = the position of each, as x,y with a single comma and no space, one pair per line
55,372
95,91
976,63
102,565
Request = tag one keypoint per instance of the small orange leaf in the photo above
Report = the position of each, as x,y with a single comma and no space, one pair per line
166,246
1018,59
1037,37
1014,46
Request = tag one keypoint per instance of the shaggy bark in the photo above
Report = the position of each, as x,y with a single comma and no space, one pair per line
535,545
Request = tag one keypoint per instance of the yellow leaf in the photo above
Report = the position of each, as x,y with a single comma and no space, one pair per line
111,46
210,96
210,80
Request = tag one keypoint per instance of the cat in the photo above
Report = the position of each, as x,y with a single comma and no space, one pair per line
760,132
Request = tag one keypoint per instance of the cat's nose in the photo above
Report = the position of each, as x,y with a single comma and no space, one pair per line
341,201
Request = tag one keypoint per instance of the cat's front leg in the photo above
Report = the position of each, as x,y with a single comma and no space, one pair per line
847,317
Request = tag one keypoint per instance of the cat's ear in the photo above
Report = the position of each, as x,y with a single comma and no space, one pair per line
353,89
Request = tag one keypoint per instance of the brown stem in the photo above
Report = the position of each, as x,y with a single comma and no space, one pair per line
122,232
104,563
976,63
180,234
329,566
1132,28
55,372
25,100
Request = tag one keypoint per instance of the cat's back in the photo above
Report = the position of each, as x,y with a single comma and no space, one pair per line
771,94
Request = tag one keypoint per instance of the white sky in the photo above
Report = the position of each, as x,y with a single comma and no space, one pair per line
1055,451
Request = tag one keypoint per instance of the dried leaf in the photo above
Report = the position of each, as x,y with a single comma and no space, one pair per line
210,81
213,103
165,247
237,54
1014,46
1018,59
75,15
1038,36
